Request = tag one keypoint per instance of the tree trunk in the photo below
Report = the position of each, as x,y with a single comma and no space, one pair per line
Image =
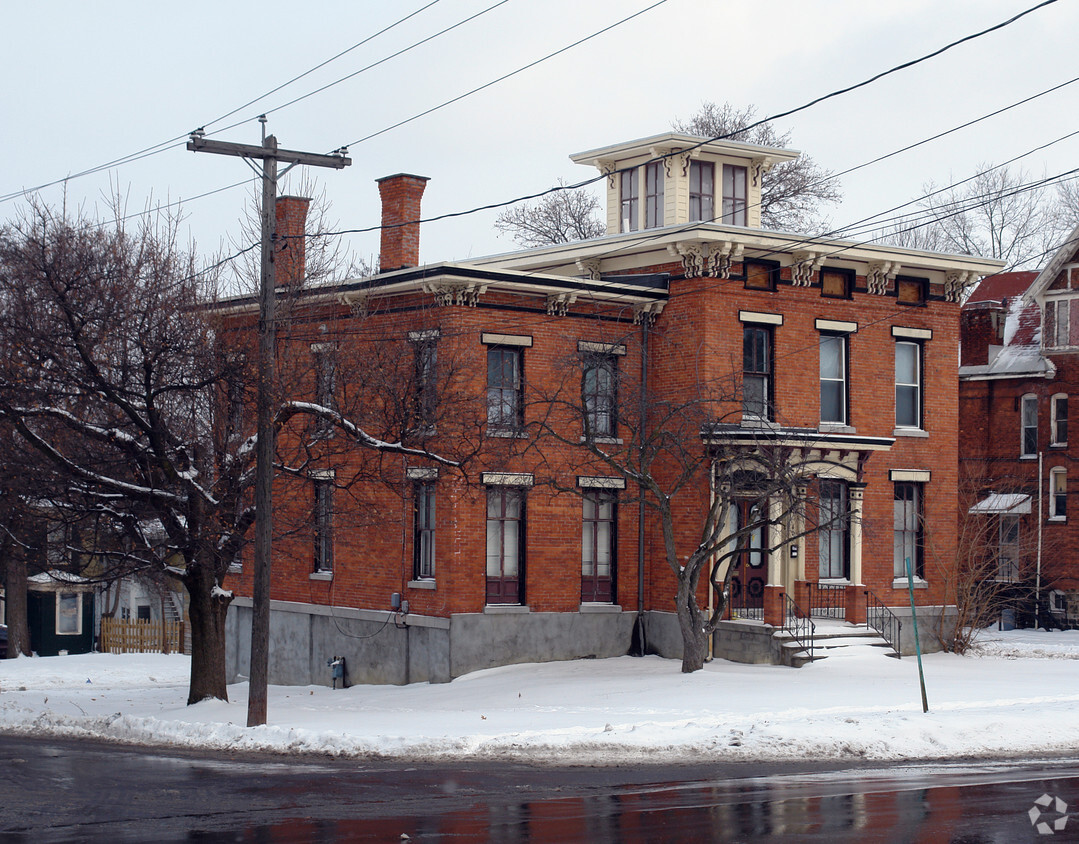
18,627
694,639
207,612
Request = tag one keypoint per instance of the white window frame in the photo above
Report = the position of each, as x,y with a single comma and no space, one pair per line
843,380
60,595
1055,420
1058,494
1028,425
916,385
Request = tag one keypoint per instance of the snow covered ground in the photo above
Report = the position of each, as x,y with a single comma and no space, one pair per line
1018,695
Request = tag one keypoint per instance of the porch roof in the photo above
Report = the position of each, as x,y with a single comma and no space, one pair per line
1012,503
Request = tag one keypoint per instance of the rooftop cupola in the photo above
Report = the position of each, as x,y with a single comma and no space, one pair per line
675,179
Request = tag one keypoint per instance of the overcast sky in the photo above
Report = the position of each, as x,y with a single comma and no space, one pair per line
92,82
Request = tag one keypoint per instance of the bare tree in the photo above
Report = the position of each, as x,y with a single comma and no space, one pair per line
674,457
564,216
792,192
118,374
999,213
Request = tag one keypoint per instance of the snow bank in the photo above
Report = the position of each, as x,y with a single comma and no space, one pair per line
1019,696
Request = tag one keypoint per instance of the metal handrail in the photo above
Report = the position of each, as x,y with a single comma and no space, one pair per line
884,621
827,600
800,626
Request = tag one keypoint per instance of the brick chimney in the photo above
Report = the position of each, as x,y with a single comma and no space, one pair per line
981,326
290,257
400,221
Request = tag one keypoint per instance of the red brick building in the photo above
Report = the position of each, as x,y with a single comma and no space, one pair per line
1019,369
843,353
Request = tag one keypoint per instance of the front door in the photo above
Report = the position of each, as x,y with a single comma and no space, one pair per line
750,572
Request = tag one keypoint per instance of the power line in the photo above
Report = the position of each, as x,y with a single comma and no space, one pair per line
179,140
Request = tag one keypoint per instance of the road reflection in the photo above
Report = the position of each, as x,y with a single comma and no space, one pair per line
973,807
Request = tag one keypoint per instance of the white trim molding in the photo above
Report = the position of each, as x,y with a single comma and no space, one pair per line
421,473
836,325
596,482
912,333
508,478
920,476
601,348
506,339
757,316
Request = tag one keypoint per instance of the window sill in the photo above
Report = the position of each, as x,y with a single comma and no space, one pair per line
596,607
1028,457
1058,445
507,433
1057,520
422,584
836,428
235,568
901,583
321,575
756,422
505,609
910,432
604,440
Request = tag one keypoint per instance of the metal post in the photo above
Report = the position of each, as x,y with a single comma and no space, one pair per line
917,642
270,155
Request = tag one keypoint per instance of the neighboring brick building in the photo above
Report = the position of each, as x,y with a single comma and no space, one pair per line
844,353
1019,368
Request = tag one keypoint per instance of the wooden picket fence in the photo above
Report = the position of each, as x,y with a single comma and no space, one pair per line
126,636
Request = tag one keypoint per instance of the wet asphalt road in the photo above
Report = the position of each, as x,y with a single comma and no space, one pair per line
60,791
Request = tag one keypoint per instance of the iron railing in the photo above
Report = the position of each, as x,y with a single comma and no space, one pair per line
800,626
744,606
827,600
884,621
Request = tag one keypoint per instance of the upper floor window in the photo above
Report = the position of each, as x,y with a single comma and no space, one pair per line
1059,413
325,383
833,378
1028,425
757,370
504,387
653,194
599,393
836,283
702,191
908,384
1058,493
761,275
424,360
630,199
734,195
911,291
1061,323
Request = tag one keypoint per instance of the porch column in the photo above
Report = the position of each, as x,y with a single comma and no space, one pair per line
775,609
855,610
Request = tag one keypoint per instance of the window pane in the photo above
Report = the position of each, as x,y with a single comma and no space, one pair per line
831,401
906,363
67,612
509,554
494,548
831,357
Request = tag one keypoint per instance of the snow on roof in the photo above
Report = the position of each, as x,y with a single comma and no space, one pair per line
1013,503
57,576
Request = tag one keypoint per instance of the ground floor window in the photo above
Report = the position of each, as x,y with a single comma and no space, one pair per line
833,530
69,613
423,567
598,547
505,544
323,525
1008,549
907,530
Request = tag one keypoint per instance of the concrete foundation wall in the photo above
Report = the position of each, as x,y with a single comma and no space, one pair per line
303,637
663,636
933,623
746,641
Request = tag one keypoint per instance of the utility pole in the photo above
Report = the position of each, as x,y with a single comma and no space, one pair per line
269,155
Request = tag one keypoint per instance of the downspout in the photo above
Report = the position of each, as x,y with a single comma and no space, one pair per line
639,644
1041,521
